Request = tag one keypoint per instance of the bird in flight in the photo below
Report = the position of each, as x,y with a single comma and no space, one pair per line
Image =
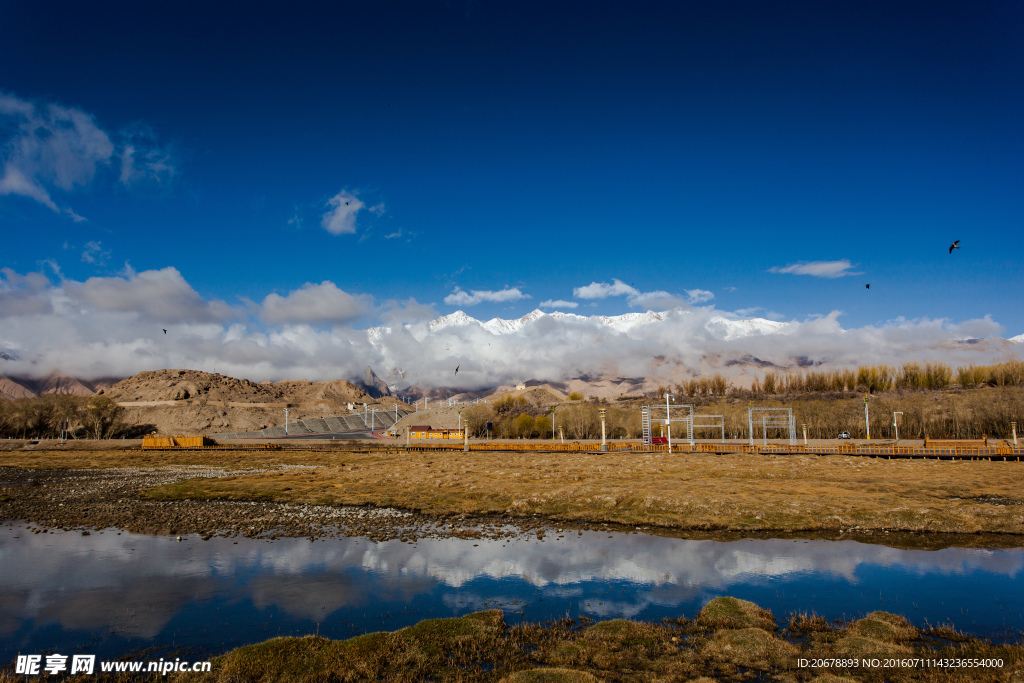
867,286
954,246
457,368
165,331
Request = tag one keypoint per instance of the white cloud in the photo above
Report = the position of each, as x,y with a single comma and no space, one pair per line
699,296
458,297
313,304
658,299
603,290
399,312
95,253
558,304
143,159
340,217
57,148
158,295
829,269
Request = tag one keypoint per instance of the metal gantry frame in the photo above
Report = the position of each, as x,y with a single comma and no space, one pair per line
663,413
718,423
771,417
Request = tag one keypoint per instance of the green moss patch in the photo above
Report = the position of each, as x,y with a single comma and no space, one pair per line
889,628
733,613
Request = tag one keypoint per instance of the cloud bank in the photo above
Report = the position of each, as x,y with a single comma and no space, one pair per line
113,326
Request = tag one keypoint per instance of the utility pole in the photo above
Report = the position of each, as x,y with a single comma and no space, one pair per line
286,422
668,420
1014,426
805,434
604,442
896,426
867,423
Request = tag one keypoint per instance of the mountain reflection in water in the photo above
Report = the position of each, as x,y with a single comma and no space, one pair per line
108,593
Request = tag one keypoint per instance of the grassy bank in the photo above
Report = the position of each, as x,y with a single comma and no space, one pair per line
697,491
729,640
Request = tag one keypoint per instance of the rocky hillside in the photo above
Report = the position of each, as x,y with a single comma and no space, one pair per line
194,385
190,401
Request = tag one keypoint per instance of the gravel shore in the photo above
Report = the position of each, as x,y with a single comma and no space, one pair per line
93,499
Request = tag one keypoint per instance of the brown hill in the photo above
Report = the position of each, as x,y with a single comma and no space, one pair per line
183,401
178,385
12,389
194,385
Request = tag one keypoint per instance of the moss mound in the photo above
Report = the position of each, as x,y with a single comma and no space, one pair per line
753,648
422,647
548,675
888,628
733,613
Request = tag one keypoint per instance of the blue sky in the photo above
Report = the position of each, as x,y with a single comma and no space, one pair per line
705,154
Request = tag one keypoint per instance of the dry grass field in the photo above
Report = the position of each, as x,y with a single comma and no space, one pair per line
709,492
690,492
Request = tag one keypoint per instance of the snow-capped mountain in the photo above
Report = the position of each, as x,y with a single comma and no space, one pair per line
727,330
718,326
1019,339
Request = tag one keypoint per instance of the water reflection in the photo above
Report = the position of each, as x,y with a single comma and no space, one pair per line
108,592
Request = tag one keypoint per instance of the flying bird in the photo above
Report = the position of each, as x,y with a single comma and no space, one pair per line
457,368
867,286
954,246
165,331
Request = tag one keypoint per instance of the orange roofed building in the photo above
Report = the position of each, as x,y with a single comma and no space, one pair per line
428,432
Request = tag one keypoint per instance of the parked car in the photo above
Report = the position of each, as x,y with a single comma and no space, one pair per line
844,435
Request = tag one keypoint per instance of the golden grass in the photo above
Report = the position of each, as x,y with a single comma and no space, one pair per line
696,491
745,493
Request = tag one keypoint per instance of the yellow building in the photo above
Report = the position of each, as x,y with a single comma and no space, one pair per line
428,432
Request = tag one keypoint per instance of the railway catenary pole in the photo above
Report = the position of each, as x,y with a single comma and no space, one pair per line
286,422
895,425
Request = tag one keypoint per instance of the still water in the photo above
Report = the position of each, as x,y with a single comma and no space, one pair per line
110,594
